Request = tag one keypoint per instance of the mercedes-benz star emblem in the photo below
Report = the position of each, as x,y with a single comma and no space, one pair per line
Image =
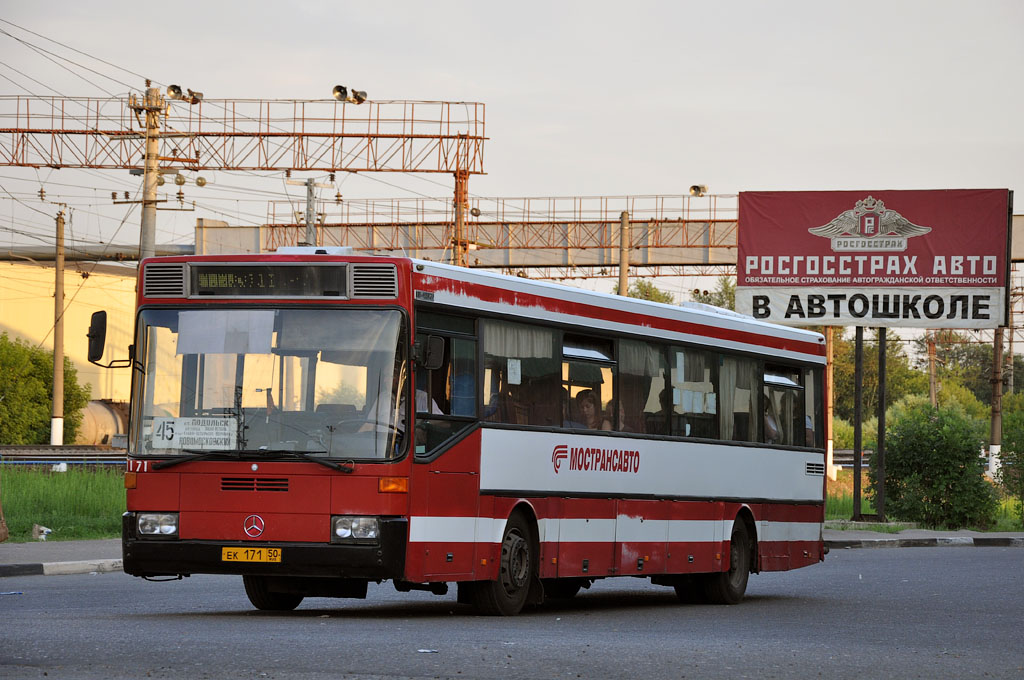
253,526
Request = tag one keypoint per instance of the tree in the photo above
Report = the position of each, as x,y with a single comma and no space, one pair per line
26,395
933,472
962,358
645,290
901,378
724,294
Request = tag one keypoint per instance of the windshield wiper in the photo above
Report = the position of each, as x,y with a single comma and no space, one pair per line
193,454
349,467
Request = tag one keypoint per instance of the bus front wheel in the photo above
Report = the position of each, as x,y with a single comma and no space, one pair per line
507,595
268,600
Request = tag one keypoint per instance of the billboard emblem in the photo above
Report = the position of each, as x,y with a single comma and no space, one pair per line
870,226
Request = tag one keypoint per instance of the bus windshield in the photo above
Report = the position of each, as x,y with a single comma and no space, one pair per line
270,382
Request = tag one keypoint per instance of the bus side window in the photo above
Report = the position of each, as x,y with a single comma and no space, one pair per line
520,373
738,398
784,421
694,394
814,406
446,396
643,387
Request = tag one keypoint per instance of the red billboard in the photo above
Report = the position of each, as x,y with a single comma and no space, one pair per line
911,259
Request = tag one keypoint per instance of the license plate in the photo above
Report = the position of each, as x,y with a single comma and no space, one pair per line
250,555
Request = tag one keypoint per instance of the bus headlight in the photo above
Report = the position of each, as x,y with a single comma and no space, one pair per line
162,524
345,529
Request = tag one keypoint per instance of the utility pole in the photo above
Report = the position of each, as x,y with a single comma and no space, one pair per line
933,392
996,433
57,421
310,238
461,203
310,222
152,105
1009,359
624,253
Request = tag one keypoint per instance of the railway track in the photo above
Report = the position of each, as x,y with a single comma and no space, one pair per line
57,455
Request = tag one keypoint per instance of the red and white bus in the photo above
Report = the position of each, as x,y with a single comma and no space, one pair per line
558,436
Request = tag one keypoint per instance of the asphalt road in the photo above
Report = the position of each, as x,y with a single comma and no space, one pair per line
897,613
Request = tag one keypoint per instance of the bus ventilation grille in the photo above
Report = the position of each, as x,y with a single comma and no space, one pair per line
815,469
374,281
253,484
164,280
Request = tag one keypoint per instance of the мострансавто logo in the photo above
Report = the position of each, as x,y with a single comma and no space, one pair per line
598,460
560,453
869,226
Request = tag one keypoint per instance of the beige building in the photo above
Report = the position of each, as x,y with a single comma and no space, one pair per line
26,313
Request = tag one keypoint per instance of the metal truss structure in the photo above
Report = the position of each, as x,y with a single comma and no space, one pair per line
570,236
245,134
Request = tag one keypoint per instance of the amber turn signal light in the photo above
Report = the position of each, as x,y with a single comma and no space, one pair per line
393,485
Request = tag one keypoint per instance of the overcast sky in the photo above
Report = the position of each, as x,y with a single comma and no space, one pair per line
583,98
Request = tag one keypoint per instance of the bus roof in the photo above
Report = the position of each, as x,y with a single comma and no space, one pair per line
689,322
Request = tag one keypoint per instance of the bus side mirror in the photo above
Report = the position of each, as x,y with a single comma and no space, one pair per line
429,352
97,336
97,342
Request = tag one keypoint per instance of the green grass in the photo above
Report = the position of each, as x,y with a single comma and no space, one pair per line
1008,516
87,503
840,506
82,503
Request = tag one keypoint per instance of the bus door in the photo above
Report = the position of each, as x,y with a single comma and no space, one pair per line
446,450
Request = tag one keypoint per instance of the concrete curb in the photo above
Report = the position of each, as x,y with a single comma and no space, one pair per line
60,568
941,541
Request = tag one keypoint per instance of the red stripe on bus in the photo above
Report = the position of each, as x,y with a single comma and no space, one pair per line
513,298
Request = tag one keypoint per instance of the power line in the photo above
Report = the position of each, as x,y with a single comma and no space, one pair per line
25,75
121,68
46,55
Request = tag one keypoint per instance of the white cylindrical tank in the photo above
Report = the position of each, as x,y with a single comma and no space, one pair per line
101,420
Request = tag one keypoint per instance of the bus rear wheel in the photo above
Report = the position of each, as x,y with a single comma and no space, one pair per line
507,595
268,600
728,587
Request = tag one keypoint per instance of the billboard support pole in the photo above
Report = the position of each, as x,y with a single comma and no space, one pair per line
879,458
858,388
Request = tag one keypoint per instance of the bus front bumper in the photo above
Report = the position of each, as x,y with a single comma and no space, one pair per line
173,557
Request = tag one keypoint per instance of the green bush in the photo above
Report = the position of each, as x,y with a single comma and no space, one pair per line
1011,472
934,474
842,434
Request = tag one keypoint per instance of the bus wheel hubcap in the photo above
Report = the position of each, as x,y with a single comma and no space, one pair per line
515,562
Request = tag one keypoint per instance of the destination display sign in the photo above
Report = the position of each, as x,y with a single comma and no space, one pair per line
268,280
195,433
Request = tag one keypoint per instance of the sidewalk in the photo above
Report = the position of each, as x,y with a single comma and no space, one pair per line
84,557
921,538
59,557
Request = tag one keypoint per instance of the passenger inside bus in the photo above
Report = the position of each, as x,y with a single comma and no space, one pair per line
624,421
590,411
771,426
568,419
